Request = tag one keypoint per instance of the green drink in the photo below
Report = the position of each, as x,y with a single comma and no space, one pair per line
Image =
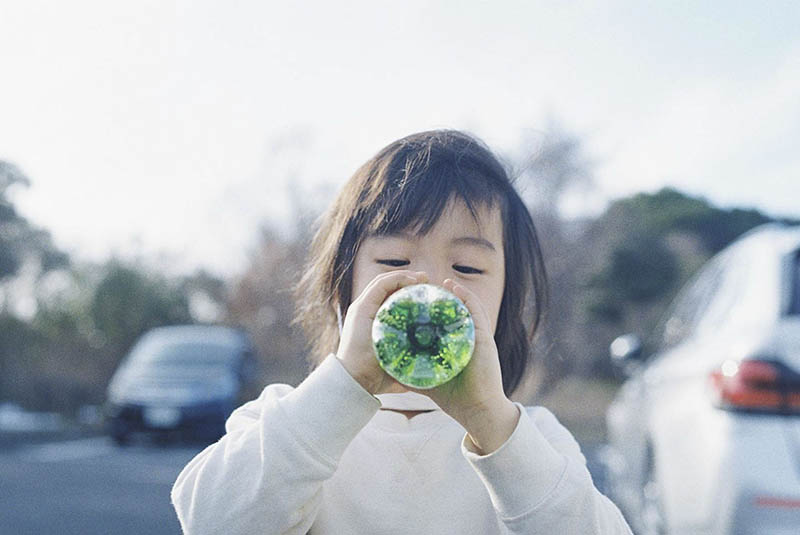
423,335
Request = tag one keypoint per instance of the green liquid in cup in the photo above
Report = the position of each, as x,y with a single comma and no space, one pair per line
423,336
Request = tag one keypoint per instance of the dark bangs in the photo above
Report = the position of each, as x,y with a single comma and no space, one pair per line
415,188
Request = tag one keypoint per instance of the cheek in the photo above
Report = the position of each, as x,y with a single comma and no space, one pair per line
362,274
358,285
496,300
495,311
491,298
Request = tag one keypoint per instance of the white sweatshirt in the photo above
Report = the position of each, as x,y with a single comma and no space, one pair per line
323,458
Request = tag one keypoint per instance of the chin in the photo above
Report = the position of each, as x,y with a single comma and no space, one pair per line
398,388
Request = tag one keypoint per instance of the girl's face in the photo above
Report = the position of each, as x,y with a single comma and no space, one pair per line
457,247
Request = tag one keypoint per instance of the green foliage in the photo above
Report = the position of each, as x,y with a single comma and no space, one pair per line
638,265
128,301
65,355
670,210
261,301
9,261
605,308
17,334
19,239
639,270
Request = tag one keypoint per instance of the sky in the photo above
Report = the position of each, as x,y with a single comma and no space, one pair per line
174,129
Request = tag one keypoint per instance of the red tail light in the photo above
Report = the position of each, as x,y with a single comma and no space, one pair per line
756,385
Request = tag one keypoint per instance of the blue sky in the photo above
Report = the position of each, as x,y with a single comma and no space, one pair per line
175,128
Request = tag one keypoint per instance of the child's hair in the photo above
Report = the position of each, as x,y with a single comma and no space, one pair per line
406,187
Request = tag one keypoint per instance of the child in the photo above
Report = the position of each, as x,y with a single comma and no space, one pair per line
352,451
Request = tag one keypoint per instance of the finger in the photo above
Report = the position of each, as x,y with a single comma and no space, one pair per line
385,285
473,304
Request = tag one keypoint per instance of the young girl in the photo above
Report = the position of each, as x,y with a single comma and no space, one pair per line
352,451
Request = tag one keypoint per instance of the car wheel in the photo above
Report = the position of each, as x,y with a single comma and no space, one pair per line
653,520
120,439
162,438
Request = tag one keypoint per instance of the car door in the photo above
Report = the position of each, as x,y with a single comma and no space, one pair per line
684,428
630,416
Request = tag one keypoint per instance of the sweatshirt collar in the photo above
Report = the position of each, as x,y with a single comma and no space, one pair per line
407,401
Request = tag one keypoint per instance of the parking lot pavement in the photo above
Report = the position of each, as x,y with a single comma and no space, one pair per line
88,485
594,453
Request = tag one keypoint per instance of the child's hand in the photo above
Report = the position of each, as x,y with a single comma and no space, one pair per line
355,345
475,397
481,382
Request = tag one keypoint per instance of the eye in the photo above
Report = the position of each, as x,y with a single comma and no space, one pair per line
393,262
467,270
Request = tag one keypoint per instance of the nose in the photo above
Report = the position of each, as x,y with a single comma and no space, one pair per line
436,271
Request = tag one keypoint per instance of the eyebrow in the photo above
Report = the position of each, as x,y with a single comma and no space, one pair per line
461,240
472,240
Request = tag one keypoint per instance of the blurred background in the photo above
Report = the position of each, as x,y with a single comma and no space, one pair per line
162,163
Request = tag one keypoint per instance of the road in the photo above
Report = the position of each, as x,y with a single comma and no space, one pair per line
89,486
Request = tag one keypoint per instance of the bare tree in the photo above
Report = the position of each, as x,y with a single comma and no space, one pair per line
546,166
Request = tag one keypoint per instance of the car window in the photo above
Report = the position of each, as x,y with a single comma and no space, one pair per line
155,351
690,304
794,304
725,304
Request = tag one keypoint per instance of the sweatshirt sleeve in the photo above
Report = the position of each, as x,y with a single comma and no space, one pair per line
539,484
265,474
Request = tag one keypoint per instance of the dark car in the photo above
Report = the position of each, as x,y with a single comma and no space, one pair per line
183,379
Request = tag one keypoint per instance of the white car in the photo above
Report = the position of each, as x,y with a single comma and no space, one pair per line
704,436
